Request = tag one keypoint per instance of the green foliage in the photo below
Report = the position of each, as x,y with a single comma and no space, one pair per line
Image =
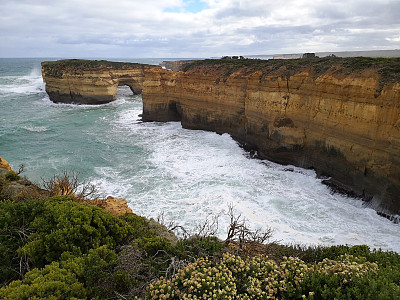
51,282
140,225
80,251
193,247
38,232
349,277
152,245
73,227
95,269
12,176
197,246
89,275
15,229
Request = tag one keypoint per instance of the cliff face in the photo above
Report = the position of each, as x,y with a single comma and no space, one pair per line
340,119
90,82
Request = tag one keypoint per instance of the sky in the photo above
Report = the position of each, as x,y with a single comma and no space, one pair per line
194,29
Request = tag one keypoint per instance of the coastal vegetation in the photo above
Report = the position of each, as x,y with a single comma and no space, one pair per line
89,63
389,68
58,67
60,247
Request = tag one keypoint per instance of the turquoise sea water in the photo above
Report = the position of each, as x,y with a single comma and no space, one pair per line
160,167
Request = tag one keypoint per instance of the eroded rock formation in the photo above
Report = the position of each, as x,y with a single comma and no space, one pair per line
90,82
5,165
338,116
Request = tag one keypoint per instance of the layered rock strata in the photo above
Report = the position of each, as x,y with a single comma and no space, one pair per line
340,117
90,82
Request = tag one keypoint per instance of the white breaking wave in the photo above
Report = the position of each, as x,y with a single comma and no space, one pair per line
35,128
29,84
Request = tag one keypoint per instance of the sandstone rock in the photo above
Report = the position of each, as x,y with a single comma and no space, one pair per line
90,82
4,164
116,206
19,189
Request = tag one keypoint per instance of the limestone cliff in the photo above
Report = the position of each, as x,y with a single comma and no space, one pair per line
90,82
338,116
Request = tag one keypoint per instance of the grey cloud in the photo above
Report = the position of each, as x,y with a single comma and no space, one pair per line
140,28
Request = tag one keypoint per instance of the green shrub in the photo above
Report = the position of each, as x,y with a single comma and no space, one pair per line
140,225
152,245
15,231
12,176
73,227
95,269
51,282
37,232
197,246
89,275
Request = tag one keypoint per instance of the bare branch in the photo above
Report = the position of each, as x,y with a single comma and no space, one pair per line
241,236
67,184
21,169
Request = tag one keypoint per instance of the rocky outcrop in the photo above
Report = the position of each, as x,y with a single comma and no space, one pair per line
4,165
116,206
17,188
338,116
90,82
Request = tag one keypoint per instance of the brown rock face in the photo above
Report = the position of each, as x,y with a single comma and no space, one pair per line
90,82
4,165
116,206
336,117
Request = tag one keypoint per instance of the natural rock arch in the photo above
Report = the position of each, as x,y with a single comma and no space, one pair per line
91,82
134,85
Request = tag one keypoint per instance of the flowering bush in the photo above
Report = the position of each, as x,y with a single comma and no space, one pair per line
258,277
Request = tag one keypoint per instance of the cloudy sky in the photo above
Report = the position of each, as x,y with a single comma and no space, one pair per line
189,28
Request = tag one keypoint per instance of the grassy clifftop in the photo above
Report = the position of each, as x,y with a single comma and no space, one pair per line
78,66
388,68
91,64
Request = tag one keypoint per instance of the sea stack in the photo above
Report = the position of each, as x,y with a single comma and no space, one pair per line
81,81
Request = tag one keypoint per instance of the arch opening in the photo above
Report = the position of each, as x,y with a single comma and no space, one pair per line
134,85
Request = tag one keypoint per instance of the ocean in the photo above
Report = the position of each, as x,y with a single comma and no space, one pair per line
184,175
